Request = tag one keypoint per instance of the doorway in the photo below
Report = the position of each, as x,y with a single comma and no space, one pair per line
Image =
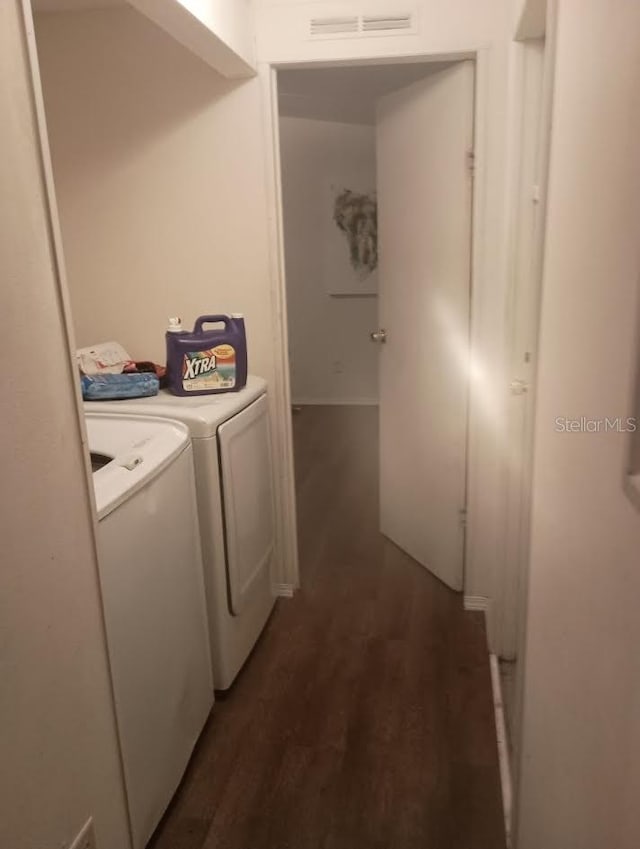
376,168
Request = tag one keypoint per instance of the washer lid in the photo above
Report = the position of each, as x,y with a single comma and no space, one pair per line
202,414
141,447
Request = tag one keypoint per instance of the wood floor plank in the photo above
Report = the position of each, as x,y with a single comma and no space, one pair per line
363,719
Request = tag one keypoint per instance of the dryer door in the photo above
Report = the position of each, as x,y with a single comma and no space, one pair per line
245,460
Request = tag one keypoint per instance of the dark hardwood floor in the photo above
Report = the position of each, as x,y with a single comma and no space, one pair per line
364,717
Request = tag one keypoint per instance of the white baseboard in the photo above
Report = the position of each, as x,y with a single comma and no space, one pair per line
284,590
503,747
476,602
484,605
335,402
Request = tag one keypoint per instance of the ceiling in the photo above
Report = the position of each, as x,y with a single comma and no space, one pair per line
346,94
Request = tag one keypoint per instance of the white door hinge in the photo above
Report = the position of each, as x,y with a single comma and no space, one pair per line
463,516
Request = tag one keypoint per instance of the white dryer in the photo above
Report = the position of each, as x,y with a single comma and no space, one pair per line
153,599
234,481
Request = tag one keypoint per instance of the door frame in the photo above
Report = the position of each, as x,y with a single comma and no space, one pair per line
268,75
536,59
523,308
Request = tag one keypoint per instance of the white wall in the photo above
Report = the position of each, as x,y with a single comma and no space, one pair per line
325,333
445,27
634,464
580,773
59,761
162,205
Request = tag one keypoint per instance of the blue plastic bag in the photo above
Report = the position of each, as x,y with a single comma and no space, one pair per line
110,387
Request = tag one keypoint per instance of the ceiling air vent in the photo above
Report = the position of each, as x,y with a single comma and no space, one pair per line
334,26
361,25
382,23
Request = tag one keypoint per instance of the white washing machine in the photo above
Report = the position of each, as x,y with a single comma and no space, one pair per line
153,597
234,482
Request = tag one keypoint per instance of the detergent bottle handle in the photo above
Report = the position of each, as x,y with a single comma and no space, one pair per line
211,319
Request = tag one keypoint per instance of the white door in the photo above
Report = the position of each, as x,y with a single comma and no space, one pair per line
424,138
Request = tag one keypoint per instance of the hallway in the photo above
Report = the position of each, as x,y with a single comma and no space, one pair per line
364,718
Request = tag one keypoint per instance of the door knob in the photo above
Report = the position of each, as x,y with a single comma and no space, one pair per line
379,336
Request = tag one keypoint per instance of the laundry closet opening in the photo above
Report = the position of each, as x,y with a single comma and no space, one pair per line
376,167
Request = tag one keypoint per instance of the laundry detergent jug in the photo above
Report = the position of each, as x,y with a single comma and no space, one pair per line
203,362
